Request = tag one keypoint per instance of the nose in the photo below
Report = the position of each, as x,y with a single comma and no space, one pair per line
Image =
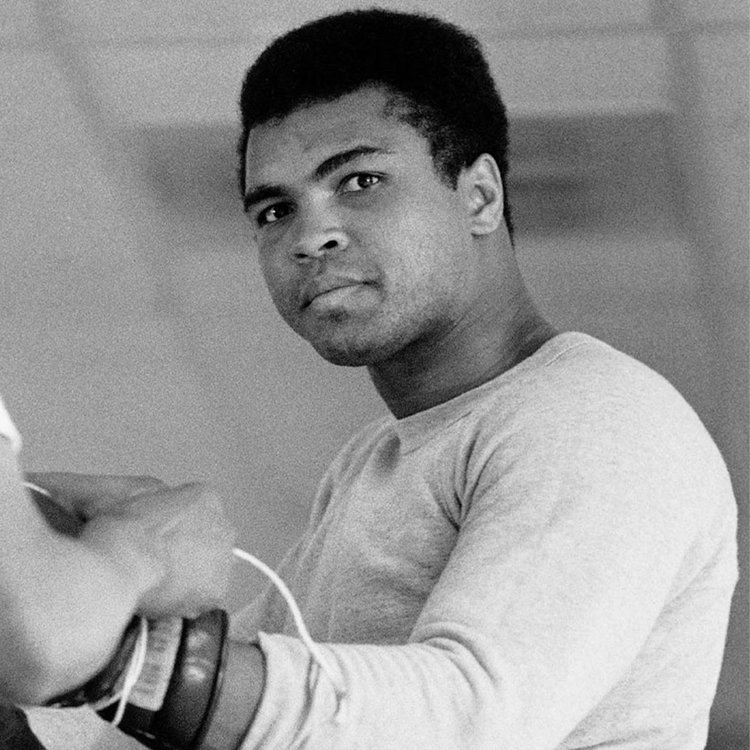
317,247
314,243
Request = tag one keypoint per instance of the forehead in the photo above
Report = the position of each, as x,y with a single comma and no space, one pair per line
299,141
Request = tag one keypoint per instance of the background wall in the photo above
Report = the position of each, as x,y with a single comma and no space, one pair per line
136,335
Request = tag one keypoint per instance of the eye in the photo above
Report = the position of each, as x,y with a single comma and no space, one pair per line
358,182
273,213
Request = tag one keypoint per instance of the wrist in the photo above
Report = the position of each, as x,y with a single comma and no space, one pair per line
196,689
210,687
105,682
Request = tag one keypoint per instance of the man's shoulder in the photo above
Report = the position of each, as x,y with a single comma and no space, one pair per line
578,398
577,374
585,363
589,430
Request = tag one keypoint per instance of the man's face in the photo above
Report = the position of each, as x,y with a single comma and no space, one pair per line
365,250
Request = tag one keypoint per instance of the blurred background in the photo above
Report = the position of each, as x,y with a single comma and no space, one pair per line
136,334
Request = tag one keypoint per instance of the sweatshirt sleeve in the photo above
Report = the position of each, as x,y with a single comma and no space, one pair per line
577,527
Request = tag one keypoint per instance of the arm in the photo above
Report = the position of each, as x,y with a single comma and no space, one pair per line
502,656
64,604
565,560
66,601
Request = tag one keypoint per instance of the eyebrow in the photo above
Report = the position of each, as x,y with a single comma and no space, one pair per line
325,168
338,160
261,193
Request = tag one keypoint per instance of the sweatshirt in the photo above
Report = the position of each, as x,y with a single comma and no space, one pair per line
546,561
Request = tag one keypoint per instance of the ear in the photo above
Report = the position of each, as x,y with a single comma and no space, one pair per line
483,190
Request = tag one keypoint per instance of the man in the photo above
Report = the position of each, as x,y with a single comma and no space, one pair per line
537,549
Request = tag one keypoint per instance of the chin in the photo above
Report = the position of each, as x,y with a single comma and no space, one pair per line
343,357
347,351
358,348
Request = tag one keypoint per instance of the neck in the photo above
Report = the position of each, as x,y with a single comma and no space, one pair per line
500,333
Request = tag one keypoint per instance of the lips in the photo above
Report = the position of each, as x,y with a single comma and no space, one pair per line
322,284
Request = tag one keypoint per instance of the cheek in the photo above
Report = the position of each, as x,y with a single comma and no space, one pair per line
429,270
277,283
423,248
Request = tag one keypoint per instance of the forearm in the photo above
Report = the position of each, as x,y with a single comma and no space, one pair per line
431,695
69,628
64,604
60,633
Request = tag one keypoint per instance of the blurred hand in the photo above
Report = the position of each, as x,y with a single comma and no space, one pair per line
175,544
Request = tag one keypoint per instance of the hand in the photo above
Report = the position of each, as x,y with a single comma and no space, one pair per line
176,543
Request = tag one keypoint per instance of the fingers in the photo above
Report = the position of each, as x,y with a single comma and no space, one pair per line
87,495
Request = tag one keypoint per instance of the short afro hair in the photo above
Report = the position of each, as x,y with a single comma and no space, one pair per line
435,74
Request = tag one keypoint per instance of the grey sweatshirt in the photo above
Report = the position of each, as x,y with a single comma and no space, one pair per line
544,562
